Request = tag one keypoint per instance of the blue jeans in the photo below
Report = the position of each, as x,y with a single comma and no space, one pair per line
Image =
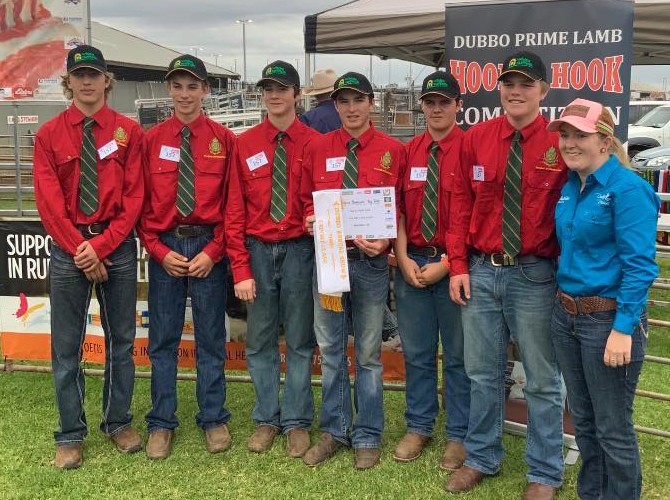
369,280
513,301
70,295
167,306
426,315
601,403
283,276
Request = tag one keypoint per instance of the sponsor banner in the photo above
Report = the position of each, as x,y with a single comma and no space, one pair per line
586,46
37,346
35,37
25,310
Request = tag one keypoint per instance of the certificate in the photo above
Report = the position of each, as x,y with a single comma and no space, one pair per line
369,213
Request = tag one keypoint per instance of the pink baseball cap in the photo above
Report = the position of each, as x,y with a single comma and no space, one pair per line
583,115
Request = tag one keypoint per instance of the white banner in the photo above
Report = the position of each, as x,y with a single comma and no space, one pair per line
35,37
332,269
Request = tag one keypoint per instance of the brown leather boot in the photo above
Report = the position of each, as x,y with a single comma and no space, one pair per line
297,442
68,456
159,444
410,447
453,457
127,440
218,439
367,458
464,479
322,451
538,491
262,438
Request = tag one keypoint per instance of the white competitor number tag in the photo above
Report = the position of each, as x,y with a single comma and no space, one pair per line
478,172
335,164
418,174
169,153
107,149
257,161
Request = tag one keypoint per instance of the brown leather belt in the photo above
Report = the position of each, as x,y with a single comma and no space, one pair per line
425,251
191,230
502,259
88,231
586,305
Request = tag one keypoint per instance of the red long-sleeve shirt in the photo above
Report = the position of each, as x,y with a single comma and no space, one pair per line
477,197
250,191
120,182
211,147
414,182
381,160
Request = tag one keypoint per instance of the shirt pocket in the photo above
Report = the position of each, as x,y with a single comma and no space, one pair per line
164,179
209,175
381,178
66,162
544,190
255,180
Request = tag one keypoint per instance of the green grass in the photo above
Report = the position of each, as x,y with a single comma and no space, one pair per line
28,417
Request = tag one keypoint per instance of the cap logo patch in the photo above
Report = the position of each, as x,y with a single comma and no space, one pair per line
350,80
520,62
275,70
437,83
576,110
85,56
182,63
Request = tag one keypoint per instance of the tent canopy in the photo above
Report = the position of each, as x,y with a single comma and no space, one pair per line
413,30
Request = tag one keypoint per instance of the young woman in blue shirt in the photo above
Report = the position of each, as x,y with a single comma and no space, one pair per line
606,226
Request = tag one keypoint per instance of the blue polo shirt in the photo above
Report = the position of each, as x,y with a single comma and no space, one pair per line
607,235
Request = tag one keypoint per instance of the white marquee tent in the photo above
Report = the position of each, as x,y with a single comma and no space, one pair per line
413,30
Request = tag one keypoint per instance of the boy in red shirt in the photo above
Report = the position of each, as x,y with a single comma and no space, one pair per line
89,190
272,260
186,168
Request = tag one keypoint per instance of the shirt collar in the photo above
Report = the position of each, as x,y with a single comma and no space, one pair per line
195,126
103,117
363,139
605,171
271,131
445,143
526,132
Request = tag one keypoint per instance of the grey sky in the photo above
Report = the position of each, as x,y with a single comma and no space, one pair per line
275,33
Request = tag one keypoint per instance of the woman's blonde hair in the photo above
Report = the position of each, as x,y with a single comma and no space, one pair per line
616,148
67,92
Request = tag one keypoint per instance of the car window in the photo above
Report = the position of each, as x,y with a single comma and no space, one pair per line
656,118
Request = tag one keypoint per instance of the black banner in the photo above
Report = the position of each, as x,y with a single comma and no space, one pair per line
586,46
25,249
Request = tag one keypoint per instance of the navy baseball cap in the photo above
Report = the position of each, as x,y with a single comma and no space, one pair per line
190,64
352,81
85,56
442,83
280,72
526,63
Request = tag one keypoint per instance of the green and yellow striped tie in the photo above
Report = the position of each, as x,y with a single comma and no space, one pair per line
279,181
88,170
429,212
185,184
511,217
350,179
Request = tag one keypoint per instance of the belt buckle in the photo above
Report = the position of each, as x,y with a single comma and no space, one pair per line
177,231
431,251
89,230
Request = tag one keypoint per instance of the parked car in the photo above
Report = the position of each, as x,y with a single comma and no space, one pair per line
650,131
637,109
